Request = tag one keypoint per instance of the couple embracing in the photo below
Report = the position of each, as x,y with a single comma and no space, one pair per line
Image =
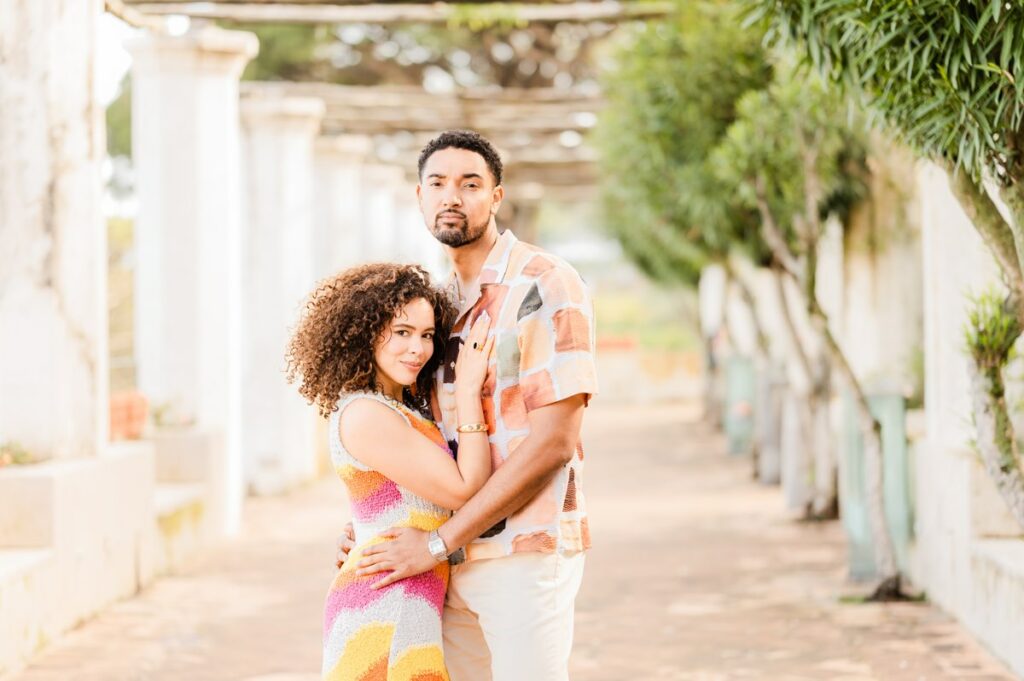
466,398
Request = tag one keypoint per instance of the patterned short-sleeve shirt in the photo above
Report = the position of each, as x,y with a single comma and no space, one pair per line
542,320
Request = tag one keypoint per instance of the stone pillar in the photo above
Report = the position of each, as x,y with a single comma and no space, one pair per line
277,274
340,203
380,218
414,242
53,347
185,142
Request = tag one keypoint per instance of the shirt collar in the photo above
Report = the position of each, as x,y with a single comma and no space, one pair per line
496,265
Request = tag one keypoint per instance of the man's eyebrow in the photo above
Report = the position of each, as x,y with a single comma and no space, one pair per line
467,176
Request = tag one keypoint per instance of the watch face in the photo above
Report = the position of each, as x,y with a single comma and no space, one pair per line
437,548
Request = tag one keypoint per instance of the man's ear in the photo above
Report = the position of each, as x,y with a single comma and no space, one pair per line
497,196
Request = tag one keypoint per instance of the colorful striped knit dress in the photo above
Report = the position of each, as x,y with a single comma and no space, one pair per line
394,633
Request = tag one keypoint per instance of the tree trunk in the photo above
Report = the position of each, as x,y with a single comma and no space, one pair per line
995,440
761,363
889,587
810,417
890,582
997,234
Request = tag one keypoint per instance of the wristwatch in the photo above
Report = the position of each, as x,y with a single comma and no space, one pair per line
436,547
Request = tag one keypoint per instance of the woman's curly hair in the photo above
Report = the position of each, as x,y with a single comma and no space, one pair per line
331,351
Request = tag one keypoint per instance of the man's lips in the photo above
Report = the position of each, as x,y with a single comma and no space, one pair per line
451,216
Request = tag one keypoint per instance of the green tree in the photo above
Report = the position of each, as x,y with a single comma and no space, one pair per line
945,77
671,93
794,156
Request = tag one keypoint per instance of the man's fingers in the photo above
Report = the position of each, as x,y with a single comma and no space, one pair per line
390,579
391,532
373,569
372,560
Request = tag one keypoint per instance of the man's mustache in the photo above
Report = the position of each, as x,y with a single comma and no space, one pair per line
451,213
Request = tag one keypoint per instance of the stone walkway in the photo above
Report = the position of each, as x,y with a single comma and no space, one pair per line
696,575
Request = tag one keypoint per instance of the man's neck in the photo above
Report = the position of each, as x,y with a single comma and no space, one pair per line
468,260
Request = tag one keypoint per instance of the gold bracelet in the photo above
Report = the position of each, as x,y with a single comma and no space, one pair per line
473,428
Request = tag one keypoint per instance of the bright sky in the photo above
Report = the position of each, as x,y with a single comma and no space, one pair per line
113,61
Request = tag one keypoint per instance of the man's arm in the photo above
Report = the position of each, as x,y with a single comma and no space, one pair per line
554,432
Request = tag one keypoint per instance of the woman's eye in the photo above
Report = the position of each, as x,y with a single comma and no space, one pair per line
402,332
428,336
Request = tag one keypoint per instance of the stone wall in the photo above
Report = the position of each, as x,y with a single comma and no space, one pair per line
53,344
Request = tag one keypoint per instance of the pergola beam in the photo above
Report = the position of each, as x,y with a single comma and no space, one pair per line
518,12
524,114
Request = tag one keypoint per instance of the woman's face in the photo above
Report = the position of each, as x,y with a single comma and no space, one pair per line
405,346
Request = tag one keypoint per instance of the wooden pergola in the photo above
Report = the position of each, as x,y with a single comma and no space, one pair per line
541,133
326,11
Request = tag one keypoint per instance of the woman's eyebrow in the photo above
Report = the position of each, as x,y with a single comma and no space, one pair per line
403,325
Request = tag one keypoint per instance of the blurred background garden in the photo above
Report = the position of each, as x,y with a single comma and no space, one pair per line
802,222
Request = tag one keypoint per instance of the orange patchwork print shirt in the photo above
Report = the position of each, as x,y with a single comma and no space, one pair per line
542,319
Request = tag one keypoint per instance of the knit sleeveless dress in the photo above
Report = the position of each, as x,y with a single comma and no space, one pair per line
394,633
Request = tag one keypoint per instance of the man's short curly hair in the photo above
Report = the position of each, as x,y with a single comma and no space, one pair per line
463,139
332,348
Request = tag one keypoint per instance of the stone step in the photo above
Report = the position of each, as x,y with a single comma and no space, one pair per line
25,584
181,513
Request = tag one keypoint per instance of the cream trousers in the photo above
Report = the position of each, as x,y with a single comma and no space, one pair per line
511,618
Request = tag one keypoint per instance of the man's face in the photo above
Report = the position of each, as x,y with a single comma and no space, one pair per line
457,196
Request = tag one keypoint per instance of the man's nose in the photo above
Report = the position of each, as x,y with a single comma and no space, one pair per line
452,199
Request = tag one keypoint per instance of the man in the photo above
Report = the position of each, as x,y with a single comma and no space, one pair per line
509,610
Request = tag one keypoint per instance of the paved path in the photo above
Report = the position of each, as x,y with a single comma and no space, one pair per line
696,575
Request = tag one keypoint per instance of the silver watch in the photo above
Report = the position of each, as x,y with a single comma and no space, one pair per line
436,547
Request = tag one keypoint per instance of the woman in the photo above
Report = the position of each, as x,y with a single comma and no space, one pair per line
365,352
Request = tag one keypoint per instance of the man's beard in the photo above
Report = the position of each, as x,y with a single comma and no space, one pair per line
458,234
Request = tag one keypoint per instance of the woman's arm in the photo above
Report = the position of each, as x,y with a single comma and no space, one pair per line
381,439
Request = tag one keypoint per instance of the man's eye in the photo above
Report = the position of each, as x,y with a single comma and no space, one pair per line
472,186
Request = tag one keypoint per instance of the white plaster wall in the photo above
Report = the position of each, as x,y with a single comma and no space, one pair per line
970,577
53,333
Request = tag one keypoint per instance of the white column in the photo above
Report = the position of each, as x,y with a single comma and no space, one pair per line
379,220
415,242
185,144
53,320
278,426
340,203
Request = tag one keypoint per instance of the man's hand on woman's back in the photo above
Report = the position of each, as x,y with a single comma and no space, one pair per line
346,542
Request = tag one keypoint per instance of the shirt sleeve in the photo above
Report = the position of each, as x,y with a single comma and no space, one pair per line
556,340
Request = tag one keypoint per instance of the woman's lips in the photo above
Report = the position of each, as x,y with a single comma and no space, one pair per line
413,367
